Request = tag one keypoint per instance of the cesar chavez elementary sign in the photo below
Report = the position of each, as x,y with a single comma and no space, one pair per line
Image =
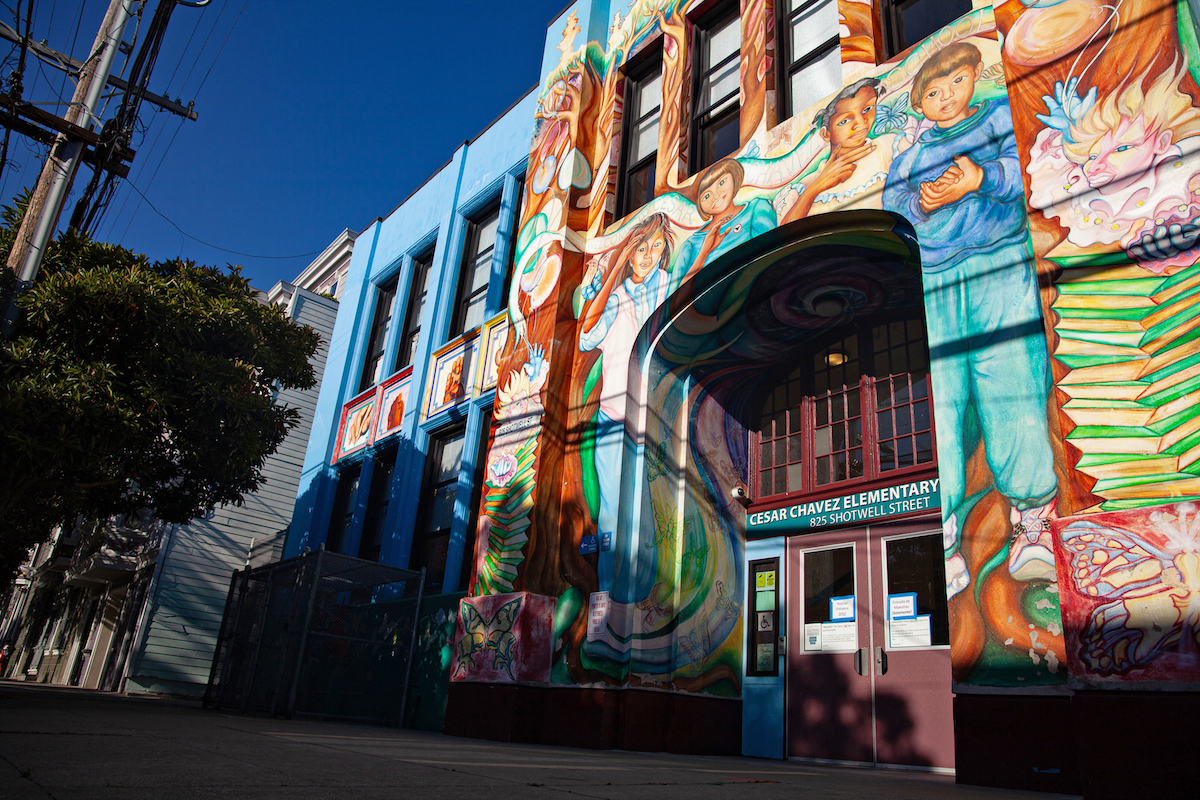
890,501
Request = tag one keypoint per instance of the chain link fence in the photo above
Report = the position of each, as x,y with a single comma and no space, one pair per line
321,635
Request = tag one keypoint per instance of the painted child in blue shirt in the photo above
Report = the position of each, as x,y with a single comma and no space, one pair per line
960,186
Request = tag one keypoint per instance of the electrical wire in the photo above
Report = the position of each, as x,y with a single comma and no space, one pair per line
221,50
74,39
209,244
195,95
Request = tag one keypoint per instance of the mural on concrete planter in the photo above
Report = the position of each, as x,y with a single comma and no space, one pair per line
1130,585
504,638
590,401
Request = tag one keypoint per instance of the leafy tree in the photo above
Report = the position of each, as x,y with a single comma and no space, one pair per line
132,385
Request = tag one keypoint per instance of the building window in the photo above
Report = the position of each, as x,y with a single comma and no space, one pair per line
859,410
377,507
510,265
643,109
406,351
715,123
810,57
476,270
343,508
431,539
382,319
909,21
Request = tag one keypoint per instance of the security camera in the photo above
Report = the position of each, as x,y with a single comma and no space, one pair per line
740,495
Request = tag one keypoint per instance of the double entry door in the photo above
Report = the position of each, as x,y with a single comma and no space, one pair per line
868,678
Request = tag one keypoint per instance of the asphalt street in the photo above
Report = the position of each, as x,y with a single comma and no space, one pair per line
66,743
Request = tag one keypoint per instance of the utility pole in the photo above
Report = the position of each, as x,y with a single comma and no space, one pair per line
54,183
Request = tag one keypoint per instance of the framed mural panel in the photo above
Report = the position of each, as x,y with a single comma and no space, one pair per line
393,400
447,386
491,338
357,424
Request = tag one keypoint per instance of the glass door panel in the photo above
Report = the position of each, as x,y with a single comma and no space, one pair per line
829,711
913,701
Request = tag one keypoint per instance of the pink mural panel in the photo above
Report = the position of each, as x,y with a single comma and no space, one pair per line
1129,583
504,638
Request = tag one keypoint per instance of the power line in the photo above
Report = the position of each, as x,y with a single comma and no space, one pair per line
221,50
196,95
209,244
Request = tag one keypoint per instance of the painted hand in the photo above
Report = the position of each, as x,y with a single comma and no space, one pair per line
960,179
841,165
1166,241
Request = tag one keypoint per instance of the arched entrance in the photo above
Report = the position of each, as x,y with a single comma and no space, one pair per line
794,372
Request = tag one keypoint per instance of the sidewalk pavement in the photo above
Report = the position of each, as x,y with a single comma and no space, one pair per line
70,743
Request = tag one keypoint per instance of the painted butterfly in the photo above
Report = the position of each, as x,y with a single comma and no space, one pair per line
494,634
1151,583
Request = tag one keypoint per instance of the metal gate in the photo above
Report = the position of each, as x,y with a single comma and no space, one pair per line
321,634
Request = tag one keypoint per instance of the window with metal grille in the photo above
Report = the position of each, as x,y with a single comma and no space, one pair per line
810,59
715,110
382,319
406,351
859,409
475,272
639,140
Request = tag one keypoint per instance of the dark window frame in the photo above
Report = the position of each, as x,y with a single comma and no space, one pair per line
867,409
406,345
645,67
464,296
702,119
892,13
345,496
379,497
510,259
381,323
422,531
788,66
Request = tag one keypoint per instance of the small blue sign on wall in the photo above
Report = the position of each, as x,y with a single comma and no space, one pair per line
606,541
589,545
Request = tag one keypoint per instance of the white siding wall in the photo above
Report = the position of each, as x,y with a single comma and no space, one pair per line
183,614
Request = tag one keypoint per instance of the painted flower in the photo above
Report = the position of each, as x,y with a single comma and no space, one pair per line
501,470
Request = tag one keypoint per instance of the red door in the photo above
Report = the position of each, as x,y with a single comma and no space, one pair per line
868,655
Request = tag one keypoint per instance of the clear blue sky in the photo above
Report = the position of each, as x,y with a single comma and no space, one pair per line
317,116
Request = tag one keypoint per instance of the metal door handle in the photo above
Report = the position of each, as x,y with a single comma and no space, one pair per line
858,660
880,662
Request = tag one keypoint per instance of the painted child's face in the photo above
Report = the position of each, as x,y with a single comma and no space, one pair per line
1125,152
852,119
718,197
646,257
947,99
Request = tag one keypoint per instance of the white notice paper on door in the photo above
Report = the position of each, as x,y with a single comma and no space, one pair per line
841,609
812,636
839,636
910,632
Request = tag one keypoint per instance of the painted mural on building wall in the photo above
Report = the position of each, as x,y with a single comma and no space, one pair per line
1061,328
1131,594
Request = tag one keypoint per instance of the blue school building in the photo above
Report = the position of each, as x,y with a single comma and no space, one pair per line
800,380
